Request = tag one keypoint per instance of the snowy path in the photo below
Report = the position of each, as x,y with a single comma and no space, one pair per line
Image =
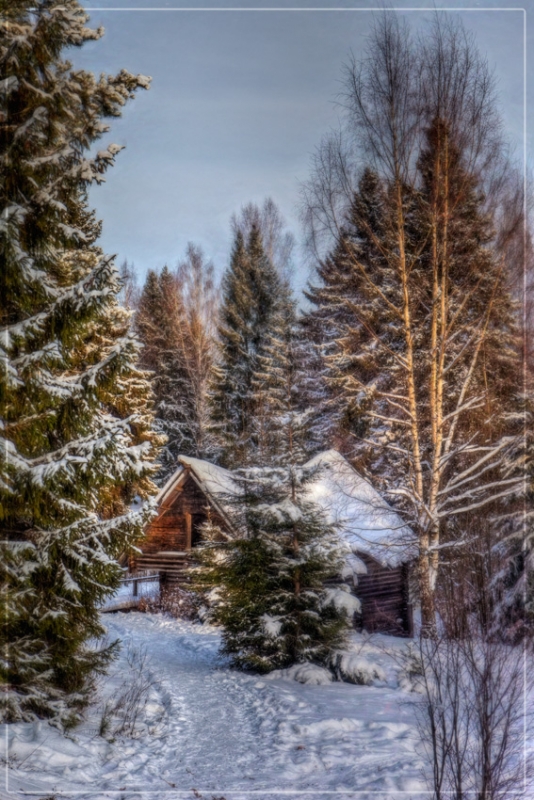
221,733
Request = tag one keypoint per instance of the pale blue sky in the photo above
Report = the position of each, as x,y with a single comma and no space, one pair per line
239,101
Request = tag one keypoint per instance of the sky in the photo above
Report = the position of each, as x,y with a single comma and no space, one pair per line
238,103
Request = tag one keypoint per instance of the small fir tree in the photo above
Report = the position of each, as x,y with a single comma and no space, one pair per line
270,580
77,446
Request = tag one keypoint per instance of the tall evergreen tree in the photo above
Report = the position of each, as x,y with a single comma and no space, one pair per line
337,320
76,442
283,402
175,319
410,349
159,320
278,242
251,301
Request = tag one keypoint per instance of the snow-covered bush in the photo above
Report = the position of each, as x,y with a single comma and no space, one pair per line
311,674
411,674
180,603
354,668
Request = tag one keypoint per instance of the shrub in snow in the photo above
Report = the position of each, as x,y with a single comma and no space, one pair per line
411,675
76,440
273,605
312,674
341,597
124,713
175,601
353,668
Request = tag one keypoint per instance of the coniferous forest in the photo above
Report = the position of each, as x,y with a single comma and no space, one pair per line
408,352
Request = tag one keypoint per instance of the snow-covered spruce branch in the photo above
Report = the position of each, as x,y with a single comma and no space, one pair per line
77,296
379,340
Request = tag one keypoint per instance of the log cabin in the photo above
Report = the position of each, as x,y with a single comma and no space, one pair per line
377,543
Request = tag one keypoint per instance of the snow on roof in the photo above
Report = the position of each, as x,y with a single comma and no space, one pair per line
215,480
365,521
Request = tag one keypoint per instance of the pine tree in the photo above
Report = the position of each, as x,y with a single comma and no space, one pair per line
176,316
77,446
283,401
251,298
270,580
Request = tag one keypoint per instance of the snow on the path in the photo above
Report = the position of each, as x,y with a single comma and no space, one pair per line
211,732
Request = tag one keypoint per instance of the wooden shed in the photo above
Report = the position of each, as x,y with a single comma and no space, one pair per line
380,545
191,495
376,540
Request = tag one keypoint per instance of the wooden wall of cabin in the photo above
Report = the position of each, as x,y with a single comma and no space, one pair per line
384,595
176,527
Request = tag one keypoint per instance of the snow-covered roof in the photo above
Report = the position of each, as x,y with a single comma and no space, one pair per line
365,521
216,482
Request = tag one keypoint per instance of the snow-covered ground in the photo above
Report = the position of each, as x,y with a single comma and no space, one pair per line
210,732
131,590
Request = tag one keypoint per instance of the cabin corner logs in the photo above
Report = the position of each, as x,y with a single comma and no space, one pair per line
176,530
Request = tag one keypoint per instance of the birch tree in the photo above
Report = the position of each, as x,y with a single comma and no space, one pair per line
425,352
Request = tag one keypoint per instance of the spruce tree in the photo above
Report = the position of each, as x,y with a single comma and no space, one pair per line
175,319
77,446
270,579
283,402
251,300
427,353
159,322
338,322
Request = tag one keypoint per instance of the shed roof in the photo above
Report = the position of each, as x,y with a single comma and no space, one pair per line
365,521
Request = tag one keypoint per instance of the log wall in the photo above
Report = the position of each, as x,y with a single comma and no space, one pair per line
384,595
